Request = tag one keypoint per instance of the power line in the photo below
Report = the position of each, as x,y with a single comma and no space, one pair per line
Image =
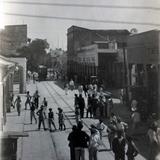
82,19
85,5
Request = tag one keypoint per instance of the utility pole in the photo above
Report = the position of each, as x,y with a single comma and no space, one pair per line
126,73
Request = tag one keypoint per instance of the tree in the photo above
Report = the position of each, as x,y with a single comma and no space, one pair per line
35,53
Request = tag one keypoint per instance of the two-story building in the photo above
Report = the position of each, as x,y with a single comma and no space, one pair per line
96,53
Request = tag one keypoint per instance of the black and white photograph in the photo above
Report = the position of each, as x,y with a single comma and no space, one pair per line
79,79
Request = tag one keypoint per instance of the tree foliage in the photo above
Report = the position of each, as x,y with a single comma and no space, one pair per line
35,52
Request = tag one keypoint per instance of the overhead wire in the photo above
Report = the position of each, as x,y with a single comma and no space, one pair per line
82,19
84,5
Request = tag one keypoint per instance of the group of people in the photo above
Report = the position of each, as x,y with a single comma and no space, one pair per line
41,112
79,140
96,104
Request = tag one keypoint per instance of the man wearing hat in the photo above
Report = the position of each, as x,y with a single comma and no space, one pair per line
51,119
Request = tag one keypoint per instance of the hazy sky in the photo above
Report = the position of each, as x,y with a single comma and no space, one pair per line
55,30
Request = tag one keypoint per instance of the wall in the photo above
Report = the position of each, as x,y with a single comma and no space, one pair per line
22,63
12,38
143,48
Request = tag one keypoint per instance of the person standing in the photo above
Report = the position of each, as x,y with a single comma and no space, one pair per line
76,99
72,140
100,127
154,140
94,104
89,108
94,143
134,104
135,117
85,88
111,130
61,119
132,150
17,102
81,105
41,118
32,112
122,126
109,106
11,98
51,120
81,142
28,100
80,89
71,84
118,146
36,99
45,104
66,87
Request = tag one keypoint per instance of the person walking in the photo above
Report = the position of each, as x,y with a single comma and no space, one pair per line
72,140
17,103
94,143
61,119
32,112
36,99
41,118
28,100
132,150
82,141
81,105
118,146
51,120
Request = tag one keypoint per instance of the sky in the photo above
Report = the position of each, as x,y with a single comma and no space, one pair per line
141,14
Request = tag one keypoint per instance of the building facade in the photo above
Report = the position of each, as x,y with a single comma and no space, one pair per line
12,37
96,53
143,54
7,68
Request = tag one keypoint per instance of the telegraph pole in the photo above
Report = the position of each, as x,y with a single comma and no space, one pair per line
126,73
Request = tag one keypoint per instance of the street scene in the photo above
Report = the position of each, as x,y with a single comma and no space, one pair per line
79,80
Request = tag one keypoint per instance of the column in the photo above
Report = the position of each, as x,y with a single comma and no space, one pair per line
1,107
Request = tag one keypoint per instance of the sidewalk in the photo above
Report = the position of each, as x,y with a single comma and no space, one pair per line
38,144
